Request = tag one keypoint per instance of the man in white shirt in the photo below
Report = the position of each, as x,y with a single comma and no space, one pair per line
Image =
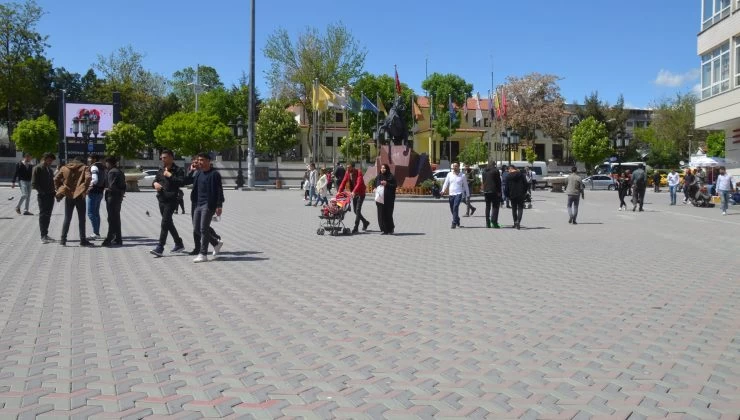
725,185
457,184
673,181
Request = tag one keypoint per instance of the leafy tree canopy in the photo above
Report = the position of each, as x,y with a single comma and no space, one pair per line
37,136
441,88
277,129
591,142
189,133
534,101
125,140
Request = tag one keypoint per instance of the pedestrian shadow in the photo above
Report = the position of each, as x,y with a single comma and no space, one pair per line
530,227
409,234
590,223
6,218
240,256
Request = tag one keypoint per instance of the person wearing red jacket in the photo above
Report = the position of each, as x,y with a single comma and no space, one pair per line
353,178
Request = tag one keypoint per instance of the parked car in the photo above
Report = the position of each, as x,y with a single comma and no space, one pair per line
148,179
600,182
440,175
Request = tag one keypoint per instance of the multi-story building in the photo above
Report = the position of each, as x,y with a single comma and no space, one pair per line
718,45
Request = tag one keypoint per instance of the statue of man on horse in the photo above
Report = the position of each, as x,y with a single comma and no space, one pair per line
394,123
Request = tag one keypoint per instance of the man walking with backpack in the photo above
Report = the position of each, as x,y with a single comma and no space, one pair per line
95,195
639,183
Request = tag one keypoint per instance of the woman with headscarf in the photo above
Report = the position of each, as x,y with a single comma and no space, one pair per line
385,209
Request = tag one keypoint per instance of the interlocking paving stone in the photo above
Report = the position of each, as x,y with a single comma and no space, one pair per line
626,315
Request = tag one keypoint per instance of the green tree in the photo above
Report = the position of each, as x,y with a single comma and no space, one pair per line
335,59
355,144
658,152
534,102
530,155
673,122
474,152
276,131
24,71
125,140
716,144
591,142
442,87
36,136
183,84
141,90
189,133
381,87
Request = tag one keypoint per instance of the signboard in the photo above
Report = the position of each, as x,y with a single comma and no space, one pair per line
103,111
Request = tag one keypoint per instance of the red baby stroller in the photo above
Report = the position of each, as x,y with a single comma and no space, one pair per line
331,218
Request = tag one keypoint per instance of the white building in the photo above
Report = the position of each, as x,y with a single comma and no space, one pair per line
719,48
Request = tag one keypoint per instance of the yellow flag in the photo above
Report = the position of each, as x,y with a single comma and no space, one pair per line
381,107
321,96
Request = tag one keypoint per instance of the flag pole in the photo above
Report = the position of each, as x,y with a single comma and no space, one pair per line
377,124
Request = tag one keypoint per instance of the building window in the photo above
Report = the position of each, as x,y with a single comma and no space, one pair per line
339,140
737,59
715,71
485,122
339,117
713,11
330,141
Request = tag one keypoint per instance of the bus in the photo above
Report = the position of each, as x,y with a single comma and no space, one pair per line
616,168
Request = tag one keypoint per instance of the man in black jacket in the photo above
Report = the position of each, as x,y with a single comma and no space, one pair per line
214,238
209,194
492,193
42,180
23,173
115,188
167,182
516,187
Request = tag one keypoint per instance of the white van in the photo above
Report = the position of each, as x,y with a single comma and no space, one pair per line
538,167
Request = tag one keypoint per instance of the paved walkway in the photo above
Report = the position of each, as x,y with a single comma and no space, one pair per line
626,315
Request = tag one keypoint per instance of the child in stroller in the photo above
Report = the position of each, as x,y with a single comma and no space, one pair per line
332,215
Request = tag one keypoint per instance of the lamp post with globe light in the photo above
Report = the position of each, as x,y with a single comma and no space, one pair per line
86,125
238,131
510,140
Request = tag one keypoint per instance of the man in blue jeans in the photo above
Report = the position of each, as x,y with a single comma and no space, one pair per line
725,186
673,181
95,195
457,184
209,195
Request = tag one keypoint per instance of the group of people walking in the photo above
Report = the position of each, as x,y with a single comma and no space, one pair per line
83,187
206,201
512,187
317,186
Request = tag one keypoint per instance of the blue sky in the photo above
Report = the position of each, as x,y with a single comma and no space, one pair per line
645,50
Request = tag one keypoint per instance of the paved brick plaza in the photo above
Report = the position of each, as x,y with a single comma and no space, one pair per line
627,315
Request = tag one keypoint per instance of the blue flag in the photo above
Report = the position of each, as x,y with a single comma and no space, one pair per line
367,105
453,115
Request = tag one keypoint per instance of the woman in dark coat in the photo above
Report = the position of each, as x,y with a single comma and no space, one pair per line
385,210
517,187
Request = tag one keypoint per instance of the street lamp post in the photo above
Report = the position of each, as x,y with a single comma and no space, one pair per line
238,130
621,142
86,125
252,104
509,138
